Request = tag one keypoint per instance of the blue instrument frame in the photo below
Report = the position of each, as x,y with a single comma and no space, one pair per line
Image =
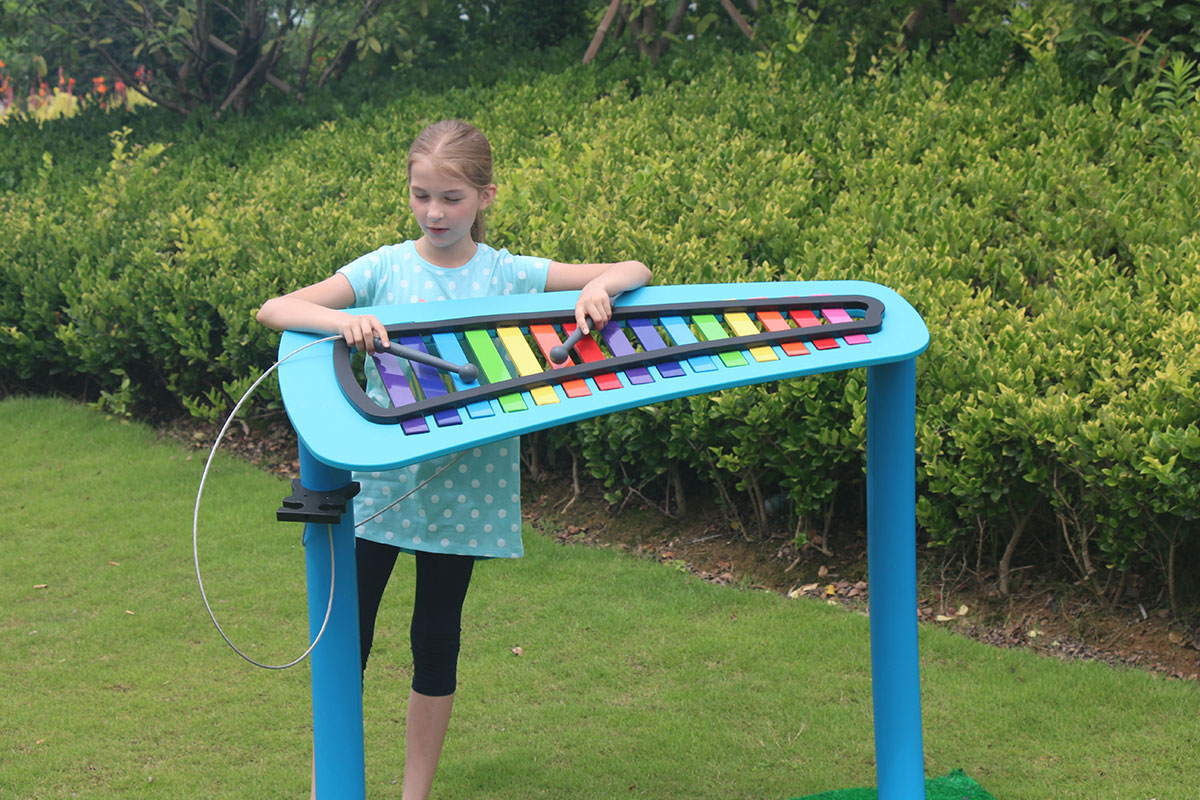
340,437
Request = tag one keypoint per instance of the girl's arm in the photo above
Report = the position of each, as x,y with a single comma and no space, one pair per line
598,284
318,308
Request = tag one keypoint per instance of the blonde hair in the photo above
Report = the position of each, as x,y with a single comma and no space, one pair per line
460,149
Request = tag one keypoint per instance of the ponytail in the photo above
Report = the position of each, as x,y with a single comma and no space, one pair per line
479,227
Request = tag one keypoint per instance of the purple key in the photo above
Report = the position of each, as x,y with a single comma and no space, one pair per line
618,342
396,383
430,381
647,334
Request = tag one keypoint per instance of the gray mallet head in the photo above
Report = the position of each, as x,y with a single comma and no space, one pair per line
558,353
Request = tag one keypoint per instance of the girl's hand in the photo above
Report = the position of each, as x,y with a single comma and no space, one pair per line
593,302
598,284
360,332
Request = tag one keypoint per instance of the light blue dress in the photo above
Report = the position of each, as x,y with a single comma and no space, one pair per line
474,507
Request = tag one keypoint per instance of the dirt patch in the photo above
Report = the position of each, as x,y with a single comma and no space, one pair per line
1054,619
270,445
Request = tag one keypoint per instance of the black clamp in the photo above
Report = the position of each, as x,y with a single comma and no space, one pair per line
324,508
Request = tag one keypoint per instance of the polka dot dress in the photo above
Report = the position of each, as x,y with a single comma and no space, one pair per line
473,507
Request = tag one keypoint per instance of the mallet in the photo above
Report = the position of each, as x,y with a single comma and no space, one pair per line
558,353
467,372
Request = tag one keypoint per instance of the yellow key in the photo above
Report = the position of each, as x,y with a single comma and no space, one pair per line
741,325
526,363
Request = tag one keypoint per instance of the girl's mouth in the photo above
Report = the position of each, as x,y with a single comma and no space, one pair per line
438,231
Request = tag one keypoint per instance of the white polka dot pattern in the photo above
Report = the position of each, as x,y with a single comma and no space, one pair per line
469,509
460,520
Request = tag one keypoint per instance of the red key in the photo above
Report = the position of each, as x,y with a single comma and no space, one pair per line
807,319
589,351
547,340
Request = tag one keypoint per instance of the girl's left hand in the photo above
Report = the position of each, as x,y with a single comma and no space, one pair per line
593,302
598,284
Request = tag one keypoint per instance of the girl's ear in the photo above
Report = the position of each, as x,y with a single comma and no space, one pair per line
486,196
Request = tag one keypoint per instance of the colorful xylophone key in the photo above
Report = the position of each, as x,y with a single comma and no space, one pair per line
637,347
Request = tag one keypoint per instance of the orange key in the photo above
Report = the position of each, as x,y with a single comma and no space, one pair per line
774,321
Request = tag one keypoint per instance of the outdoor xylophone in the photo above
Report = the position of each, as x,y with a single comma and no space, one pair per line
462,375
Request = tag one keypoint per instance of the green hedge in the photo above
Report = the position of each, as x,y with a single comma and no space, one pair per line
1049,241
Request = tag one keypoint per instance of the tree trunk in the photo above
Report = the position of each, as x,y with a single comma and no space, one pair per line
680,499
249,55
605,24
738,19
349,50
1020,522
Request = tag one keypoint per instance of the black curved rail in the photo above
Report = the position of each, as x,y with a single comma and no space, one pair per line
871,321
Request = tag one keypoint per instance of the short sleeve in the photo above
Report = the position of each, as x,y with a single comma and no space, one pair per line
366,275
521,274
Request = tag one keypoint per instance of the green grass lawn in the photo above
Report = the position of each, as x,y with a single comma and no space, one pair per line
636,680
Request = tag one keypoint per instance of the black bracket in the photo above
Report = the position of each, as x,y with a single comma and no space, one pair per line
324,508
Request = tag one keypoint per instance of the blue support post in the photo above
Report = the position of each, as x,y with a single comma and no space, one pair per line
892,568
336,666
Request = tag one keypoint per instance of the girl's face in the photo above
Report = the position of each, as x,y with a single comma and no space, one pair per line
445,206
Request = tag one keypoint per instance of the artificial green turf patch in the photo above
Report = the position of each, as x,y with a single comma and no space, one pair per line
956,785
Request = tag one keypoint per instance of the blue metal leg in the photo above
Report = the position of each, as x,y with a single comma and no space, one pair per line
336,667
892,567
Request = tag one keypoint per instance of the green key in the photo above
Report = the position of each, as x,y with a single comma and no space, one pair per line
493,367
711,330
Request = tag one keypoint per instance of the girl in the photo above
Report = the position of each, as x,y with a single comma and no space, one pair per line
473,510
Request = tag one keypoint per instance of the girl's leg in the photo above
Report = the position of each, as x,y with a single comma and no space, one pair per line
428,718
375,562
442,582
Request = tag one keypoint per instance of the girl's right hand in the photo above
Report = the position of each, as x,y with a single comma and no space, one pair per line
360,332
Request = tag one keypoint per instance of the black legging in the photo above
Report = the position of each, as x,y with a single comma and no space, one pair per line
442,582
